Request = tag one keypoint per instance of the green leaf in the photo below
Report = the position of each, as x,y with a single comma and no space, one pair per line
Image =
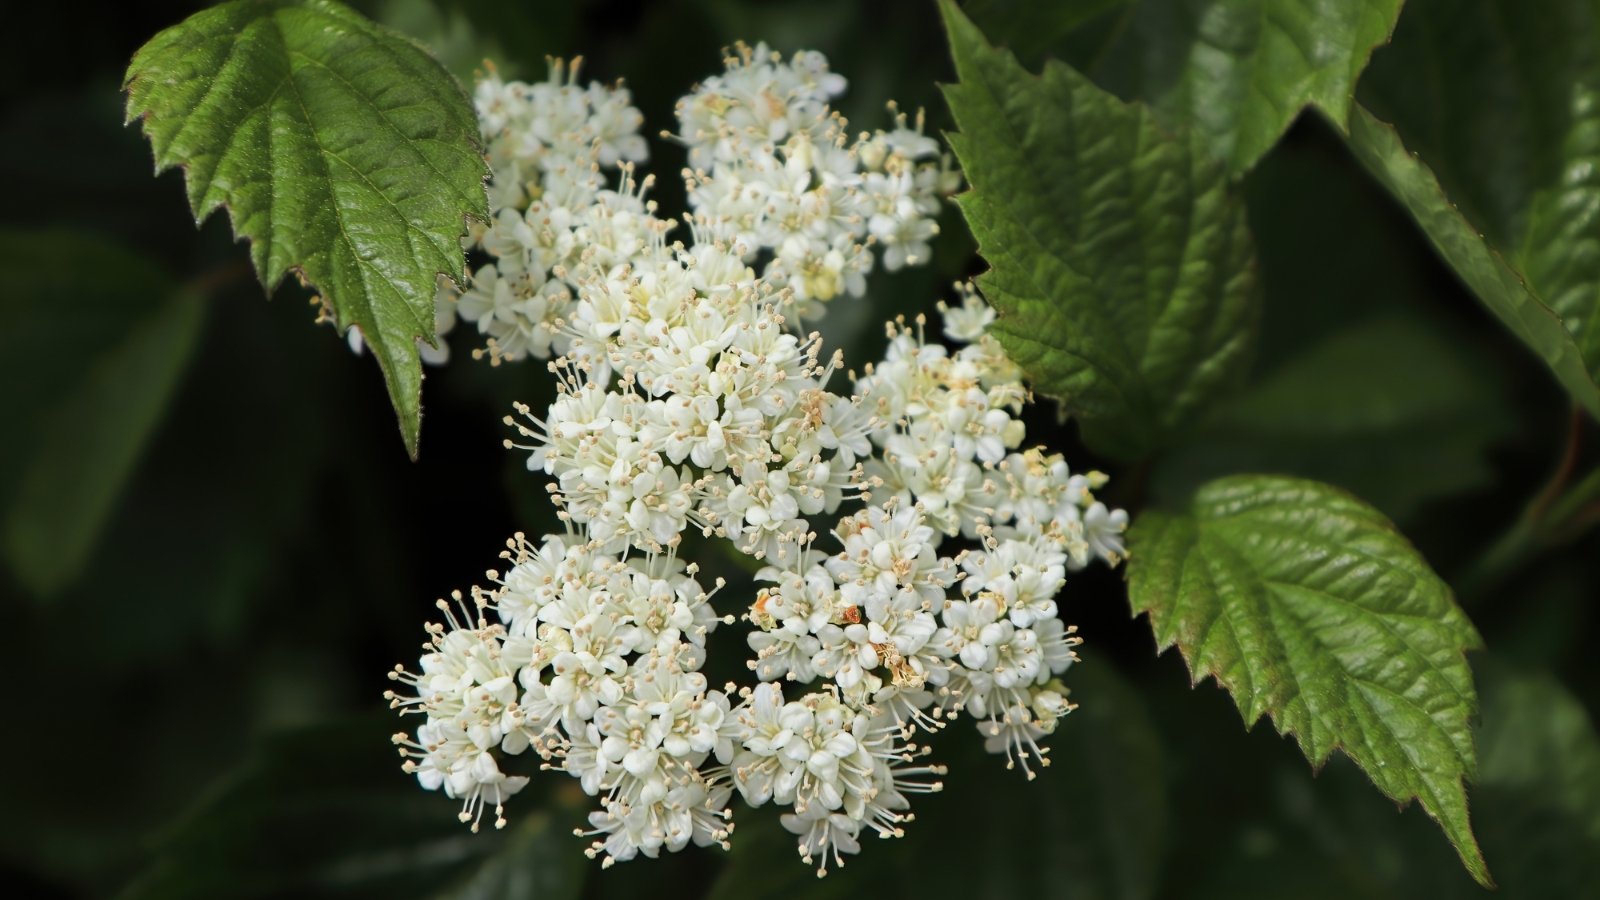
1387,408
1484,268
1510,123
1100,808
324,811
1123,267
1310,608
94,344
343,151
1237,71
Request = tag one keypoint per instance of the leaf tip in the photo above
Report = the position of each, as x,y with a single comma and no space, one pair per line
961,32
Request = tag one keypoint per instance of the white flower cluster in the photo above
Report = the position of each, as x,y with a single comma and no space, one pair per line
772,171
554,211
692,407
594,660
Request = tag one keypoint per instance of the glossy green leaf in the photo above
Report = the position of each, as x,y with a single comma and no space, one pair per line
1237,71
1121,257
1100,807
95,341
343,151
1388,408
1310,608
1510,125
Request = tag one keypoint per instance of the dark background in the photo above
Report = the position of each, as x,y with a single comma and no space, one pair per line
198,713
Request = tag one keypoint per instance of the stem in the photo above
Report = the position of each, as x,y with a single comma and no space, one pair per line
1569,462
1555,516
1576,509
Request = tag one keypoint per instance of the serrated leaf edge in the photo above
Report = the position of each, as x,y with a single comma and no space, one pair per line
410,430
1166,638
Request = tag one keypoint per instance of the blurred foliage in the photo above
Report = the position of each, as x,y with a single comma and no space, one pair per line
202,693
313,813
81,434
